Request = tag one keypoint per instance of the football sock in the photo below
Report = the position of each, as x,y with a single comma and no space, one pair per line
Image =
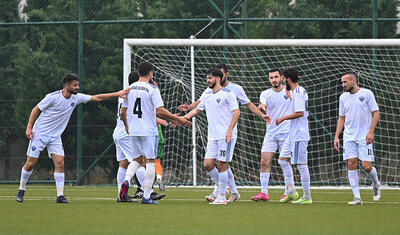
214,177
264,178
120,177
59,178
222,182
140,174
158,167
149,179
354,181
131,170
305,180
288,173
231,181
24,178
374,176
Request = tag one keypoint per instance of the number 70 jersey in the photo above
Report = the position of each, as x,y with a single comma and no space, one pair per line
141,104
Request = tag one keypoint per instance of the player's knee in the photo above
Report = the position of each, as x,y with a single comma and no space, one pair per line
352,164
367,166
59,164
30,163
123,164
208,166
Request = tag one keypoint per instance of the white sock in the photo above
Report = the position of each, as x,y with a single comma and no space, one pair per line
288,173
305,180
214,177
231,181
131,170
354,181
140,174
59,178
24,178
374,177
149,175
120,177
223,181
264,178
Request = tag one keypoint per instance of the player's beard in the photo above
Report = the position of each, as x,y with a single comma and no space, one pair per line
72,91
223,81
276,85
348,89
288,87
212,85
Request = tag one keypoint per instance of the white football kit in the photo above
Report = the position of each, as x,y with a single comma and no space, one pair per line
357,109
219,108
121,139
51,123
298,129
277,104
141,104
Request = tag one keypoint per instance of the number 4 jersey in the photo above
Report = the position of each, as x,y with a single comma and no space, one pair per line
298,130
141,104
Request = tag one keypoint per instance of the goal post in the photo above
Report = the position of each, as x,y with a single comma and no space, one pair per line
179,70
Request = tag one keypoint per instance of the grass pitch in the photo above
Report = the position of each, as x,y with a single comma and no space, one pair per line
94,210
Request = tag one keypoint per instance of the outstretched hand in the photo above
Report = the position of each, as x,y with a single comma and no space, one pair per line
184,107
122,93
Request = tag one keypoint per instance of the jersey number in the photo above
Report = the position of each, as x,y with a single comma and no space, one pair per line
222,153
137,109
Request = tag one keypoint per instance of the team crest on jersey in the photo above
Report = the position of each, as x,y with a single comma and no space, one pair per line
33,148
218,100
361,98
72,104
286,97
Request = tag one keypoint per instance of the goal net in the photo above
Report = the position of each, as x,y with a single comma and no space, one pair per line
180,66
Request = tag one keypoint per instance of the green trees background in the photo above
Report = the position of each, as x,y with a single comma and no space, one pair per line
33,58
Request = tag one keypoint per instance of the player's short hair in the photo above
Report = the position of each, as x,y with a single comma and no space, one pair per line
275,70
133,77
145,68
69,77
222,66
351,73
291,73
215,72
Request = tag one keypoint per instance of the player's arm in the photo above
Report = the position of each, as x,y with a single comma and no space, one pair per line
235,118
187,107
262,107
192,113
339,128
290,116
101,97
124,119
163,113
370,134
253,108
32,118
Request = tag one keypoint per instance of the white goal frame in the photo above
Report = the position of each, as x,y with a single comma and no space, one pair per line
192,43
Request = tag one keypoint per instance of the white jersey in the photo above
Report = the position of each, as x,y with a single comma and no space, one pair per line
142,101
236,89
357,109
298,129
56,111
219,108
277,105
119,131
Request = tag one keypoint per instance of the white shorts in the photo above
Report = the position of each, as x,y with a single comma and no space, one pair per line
270,145
39,142
358,149
296,150
123,147
143,145
220,150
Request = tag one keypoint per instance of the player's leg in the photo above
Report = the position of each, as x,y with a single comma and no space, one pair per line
367,157
231,177
284,162
121,146
35,146
222,182
209,165
350,155
59,177
150,151
300,158
268,149
159,174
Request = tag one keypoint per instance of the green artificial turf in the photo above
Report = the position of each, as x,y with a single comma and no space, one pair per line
94,210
